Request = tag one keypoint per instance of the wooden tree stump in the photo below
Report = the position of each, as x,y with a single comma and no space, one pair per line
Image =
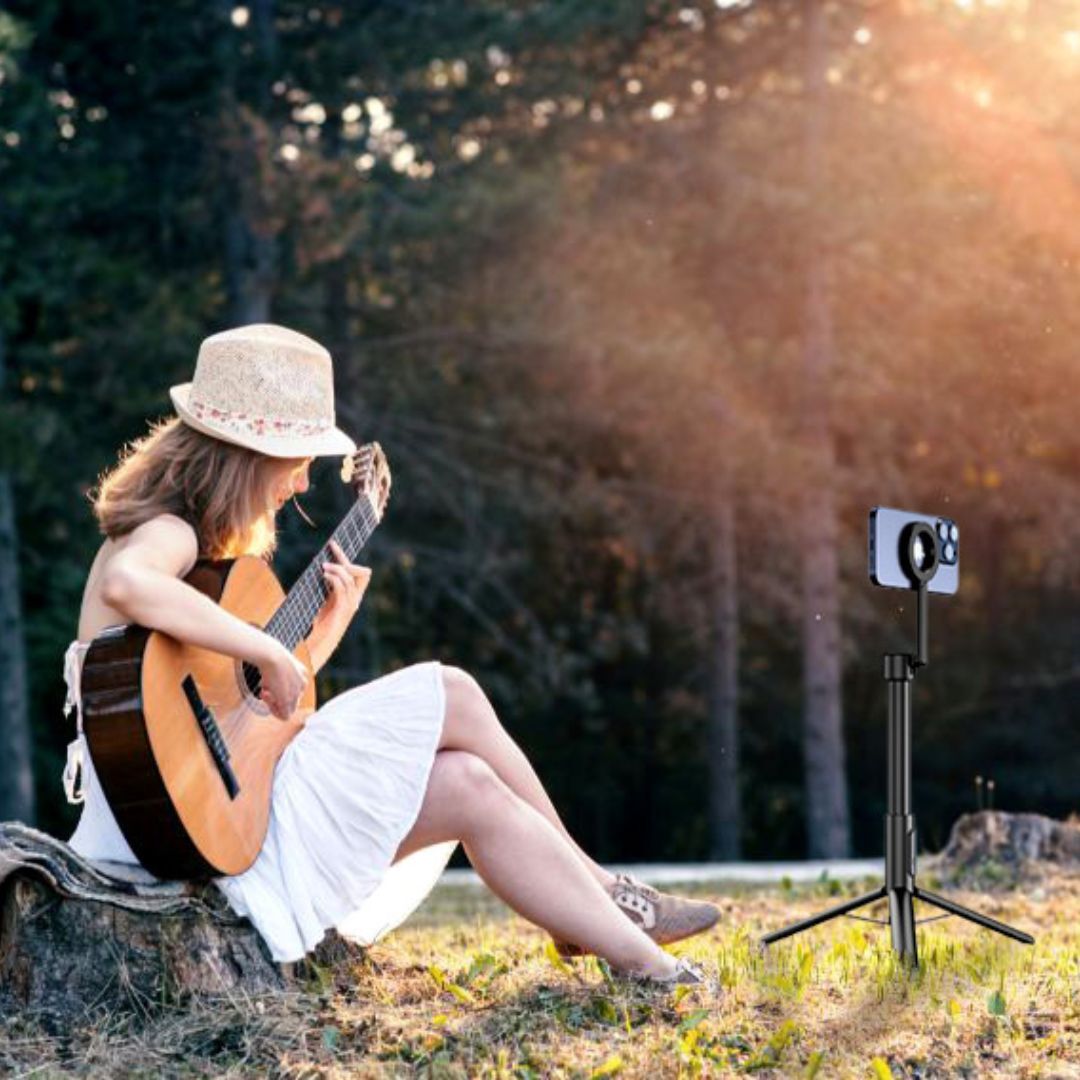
75,933
993,847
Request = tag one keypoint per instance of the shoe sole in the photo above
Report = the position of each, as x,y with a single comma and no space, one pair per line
567,951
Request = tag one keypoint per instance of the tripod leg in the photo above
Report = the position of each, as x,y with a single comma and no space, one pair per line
902,924
824,916
973,916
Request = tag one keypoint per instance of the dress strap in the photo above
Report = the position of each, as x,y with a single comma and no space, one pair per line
72,675
74,771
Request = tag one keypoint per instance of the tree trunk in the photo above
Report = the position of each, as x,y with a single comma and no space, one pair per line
1017,838
359,653
72,935
250,241
823,747
16,771
994,849
724,803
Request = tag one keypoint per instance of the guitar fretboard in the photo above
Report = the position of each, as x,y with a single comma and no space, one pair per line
291,623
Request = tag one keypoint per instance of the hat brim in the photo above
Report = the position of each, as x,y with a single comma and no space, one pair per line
329,444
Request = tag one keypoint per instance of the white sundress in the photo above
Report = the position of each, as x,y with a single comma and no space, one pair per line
346,791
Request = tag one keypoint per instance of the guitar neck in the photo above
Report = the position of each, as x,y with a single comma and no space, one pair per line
291,623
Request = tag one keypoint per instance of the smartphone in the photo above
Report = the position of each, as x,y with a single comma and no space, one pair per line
886,535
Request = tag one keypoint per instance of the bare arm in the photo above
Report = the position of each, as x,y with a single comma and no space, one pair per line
143,583
322,643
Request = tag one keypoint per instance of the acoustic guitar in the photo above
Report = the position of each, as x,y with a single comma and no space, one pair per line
183,746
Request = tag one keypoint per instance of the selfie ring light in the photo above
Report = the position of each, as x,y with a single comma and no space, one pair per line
919,535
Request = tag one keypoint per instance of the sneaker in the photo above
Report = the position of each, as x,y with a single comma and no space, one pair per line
665,918
685,974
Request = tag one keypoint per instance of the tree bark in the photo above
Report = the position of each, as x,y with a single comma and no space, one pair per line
992,848
76,933
16,770
70,935
827,822
359,652
250,242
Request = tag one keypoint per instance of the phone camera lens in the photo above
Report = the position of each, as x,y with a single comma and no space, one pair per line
950,552
943,530
954,533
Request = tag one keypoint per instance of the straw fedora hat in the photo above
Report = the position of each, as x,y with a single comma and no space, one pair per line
265,387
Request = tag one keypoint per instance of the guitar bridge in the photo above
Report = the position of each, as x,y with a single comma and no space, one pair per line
212,733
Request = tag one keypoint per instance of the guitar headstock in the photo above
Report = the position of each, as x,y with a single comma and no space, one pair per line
369,475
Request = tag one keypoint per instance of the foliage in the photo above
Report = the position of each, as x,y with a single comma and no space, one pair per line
549,245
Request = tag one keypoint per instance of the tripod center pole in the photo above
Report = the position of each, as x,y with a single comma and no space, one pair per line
899,821
922,622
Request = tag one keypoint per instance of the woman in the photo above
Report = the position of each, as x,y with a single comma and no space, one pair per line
385,777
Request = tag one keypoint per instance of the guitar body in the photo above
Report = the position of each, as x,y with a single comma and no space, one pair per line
154,758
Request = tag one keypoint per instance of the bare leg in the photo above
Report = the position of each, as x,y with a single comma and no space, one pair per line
472,724
527,862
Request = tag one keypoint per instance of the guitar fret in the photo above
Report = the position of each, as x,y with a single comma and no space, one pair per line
293,619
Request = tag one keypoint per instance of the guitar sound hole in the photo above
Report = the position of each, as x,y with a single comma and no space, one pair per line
251,683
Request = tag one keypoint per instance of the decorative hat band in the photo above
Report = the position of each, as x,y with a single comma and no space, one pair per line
258,425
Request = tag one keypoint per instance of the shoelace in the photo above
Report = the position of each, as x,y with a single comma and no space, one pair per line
639,887
633,896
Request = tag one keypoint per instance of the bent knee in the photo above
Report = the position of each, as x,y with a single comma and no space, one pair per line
463,693
458,681
466,781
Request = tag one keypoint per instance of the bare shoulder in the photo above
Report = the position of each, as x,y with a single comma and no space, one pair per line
165,542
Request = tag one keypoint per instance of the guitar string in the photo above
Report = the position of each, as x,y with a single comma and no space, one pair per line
310,599
286,625
307,596
294,617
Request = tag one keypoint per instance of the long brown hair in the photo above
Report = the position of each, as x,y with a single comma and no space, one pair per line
220,488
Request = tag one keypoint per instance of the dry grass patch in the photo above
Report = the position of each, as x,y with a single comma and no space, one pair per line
466,989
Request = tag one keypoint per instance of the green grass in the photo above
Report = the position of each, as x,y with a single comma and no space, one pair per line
467,989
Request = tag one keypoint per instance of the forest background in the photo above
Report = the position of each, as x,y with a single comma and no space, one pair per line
648,304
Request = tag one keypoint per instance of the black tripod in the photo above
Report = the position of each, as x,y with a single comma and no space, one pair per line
900,887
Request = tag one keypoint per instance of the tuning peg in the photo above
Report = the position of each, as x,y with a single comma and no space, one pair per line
348,468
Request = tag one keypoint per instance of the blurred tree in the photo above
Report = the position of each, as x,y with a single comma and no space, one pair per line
827,828
542,239
244,138
16,772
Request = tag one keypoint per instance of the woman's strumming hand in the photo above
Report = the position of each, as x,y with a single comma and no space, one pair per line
283,680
